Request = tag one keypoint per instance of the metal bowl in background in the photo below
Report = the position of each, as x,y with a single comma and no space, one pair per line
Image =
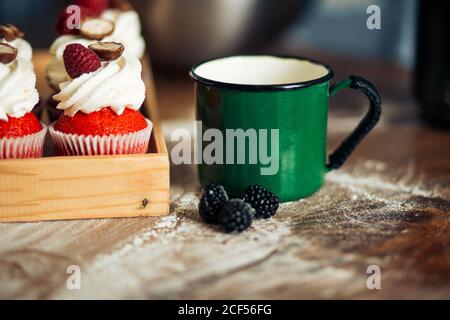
183,32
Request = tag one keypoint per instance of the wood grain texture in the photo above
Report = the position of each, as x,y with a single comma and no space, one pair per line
55,188
62,188
389,206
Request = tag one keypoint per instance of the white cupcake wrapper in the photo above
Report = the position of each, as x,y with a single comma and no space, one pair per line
78,145
30,146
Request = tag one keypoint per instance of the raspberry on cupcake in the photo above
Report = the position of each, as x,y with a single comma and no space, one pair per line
64,20
101,103
97,6
21,133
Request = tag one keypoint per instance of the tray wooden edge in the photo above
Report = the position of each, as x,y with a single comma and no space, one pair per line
151,105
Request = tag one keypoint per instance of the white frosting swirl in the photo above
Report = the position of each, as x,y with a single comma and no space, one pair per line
18,94
25,52
117,84
127,30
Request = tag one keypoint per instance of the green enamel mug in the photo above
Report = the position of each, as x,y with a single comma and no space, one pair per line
263,120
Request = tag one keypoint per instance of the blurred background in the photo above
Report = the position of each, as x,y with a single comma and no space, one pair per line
200,29
180,33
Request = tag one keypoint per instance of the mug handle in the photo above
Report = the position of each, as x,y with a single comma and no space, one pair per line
341,154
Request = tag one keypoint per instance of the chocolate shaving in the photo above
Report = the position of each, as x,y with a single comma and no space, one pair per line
107,51
7,53
10,32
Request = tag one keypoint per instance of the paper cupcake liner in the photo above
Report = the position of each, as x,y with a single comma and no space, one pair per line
78,145
30,146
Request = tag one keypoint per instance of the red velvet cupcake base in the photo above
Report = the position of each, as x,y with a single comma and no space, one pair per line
79,145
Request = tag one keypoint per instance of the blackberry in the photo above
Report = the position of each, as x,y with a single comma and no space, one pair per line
212,199
263,201
236,216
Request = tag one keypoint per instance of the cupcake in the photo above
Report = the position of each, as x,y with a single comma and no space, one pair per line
10,34
108,21
21,133
101,102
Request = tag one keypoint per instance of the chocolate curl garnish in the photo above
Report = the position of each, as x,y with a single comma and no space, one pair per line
7,53
96,28
107,51
10,32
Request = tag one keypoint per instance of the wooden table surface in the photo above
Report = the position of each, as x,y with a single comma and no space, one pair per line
388,206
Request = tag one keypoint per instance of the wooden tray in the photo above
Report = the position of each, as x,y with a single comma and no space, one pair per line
67,188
